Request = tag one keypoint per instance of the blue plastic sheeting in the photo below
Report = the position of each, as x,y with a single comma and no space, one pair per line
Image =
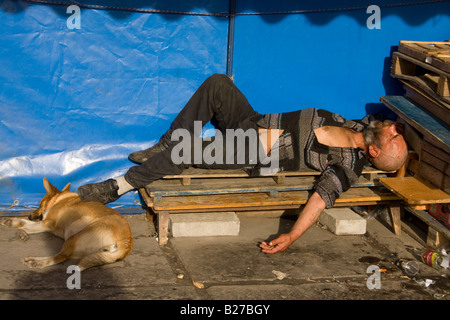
75,102
327,58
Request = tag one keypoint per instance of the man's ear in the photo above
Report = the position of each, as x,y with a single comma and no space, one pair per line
374,151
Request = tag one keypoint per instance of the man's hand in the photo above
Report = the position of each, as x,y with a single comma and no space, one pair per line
278,245
307,217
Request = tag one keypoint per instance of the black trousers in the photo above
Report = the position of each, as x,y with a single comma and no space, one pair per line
217,101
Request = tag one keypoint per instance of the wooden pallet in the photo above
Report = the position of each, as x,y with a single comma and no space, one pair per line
433,146
428,78
262,201
427,124
199,190
187,176
434,165
208,182
437,233
435,106
436,54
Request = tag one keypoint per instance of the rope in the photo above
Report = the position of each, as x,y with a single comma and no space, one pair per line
140,10
15,203
226,14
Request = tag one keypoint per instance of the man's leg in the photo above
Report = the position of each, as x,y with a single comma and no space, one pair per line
136,177
217,100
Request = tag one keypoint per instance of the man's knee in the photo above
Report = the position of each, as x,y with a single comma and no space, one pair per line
218,78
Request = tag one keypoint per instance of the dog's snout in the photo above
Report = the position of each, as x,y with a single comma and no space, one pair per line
35,216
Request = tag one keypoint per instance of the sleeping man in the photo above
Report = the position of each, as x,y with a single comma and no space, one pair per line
261,144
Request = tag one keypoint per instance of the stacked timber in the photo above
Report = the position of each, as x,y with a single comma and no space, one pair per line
424,69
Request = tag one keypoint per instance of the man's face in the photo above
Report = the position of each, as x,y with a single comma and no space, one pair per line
393,145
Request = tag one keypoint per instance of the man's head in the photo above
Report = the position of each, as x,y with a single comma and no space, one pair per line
386,147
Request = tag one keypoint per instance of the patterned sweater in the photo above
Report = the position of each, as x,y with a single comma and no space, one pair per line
298,148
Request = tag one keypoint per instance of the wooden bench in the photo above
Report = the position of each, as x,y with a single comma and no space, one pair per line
200,190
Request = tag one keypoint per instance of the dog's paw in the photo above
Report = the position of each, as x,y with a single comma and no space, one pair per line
35,262
6,222
12,222
22,235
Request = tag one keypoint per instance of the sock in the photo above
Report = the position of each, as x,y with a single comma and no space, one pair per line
124,186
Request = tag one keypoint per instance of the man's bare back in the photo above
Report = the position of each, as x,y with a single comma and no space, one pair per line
338,137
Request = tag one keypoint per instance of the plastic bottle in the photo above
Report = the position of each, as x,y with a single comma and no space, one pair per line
409,267
436,259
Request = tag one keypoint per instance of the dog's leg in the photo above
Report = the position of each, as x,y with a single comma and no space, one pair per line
96,259
42,262
27,225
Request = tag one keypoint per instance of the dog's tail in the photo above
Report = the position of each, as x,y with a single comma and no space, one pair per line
108,254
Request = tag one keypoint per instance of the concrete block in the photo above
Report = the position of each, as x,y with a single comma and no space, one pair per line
204,224
343,221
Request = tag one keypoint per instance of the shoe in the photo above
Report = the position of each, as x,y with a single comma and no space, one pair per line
103,192
140,157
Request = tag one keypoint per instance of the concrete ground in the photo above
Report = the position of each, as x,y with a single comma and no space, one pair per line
319,266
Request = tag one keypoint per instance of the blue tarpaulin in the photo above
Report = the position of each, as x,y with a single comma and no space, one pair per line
78,93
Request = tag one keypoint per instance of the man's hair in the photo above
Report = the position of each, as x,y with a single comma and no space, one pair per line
372,132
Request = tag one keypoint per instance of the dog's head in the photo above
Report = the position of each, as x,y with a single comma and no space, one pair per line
46,202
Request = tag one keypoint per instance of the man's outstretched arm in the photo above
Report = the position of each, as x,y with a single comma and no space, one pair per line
306,219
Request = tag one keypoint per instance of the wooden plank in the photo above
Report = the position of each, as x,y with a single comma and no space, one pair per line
415,191
434,81
443,88
422,64
196,173
148,201
425,122
432,104
164,188
434,166
430,147
394,213
438,234
435,160
233,202
163,228
435,53
208,173
432,175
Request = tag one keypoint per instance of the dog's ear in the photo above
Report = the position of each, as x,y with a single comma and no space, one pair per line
66,188
49,188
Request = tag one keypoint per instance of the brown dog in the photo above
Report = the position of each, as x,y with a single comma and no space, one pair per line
93,232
